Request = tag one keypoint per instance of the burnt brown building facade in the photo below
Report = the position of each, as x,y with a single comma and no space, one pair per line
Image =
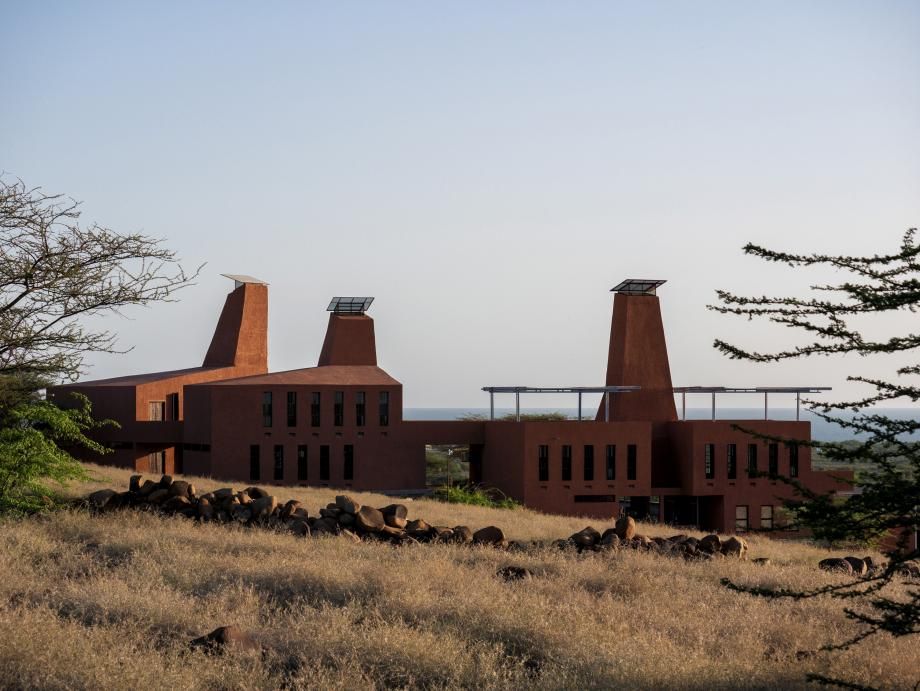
340,425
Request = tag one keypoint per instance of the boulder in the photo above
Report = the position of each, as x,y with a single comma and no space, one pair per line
443,533
289,508
710,544
243,497
166,481
836,565
398,510
761,561
735,547
205,509
586,537
417,527
299,526
610,538
176,504
158,496
263,507
859,566
347,504
332,513
223,493
625,528
394,521
100,498
369,519
325,525
148,487
393,533
514,573
462,535
256,492
677,539
134,484
241,513
346,520
490,535
179,488
224,638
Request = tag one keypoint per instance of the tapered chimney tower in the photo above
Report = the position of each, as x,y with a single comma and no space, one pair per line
350,334
241,336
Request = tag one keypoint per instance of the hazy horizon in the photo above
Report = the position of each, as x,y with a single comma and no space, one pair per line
487,172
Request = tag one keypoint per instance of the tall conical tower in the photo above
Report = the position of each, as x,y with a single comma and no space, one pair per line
350,336
638,356
241,336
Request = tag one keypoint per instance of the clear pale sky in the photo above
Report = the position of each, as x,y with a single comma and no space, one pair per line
487,170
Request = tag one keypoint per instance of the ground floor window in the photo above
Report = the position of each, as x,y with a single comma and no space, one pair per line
324,463
349,470
709,452
741,518
766,517
631,458
156,462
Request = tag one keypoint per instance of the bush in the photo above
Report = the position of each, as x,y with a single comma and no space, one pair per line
477,496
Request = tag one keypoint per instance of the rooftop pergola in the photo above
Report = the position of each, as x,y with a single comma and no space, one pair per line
518,390
765,390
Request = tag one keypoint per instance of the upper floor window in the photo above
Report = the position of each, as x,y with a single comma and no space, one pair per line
267,409
172,406
566,463
611,469
156,410
291,408
360,408
631,461
709,453
338,413
315,400
732,466
384,408
589,463
793,460
543,463
773,459
752,460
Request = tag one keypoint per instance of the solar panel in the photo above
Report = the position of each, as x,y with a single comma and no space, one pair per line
349,305
637,286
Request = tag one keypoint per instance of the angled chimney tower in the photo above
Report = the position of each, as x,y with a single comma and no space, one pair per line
638,356
350,334
241,336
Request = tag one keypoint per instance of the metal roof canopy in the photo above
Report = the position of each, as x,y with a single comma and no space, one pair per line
518,390
638,286
349,305
765,390
240,279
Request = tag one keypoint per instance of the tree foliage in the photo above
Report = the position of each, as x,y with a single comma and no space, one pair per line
887,500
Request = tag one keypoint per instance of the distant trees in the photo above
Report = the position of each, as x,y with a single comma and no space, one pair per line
55,272
888,497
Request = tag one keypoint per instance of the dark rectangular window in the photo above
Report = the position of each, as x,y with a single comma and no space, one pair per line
349,471
566,463
384,407
360,408
172,406
631,454
338,416
279,463
709,465
292,409
301,463
595,498
543,463
267,409
752,460
315,400
773,459
255,471
611,462
324,463
793,460
732,465
589,462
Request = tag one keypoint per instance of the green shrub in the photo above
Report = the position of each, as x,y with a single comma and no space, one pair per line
477,496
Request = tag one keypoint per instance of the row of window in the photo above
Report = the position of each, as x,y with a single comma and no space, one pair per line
255,462
610,462
766,518
731,460
338,409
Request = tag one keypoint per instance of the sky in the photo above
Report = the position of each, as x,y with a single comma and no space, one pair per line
488,171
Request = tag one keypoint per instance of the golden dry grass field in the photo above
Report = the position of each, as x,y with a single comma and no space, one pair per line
111,602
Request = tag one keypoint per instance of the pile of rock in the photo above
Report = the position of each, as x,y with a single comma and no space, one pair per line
255,506
854,566
624,536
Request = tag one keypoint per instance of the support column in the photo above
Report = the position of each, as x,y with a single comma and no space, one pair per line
683,405
764,405
491,405
606,406
798,399
579,406
713,405
517,405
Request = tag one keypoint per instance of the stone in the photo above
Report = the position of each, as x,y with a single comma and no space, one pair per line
256,492
417,527
347,504
346,520
490,535
263,507
836,565
241,513
677,539
711,544
332,513
325,525
223,493
514,573
288,509
134,484
443,533
858,565
158,496
243,497
393,533
179,488
100,498
394,521
176,504
586,537
205,509
299,526
224,638
166,481
610,538
734,547
148,487
625,528
761,561
462,535
398,510
370,519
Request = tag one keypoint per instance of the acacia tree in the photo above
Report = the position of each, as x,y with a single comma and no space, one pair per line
54,273
887,500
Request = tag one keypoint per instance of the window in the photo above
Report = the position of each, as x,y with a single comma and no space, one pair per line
360,408
315,400
589,462
732,461
766,517
301,463
384,405
741,518
752,460
793,460
631,453
279,463
595,498
349,473
172,406
254,464
566,463
773,459
709,453
267,409
338,417
292,409
324,463
156,410
156,462
543,463
611,462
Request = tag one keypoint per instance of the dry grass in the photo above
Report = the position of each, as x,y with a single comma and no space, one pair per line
111,602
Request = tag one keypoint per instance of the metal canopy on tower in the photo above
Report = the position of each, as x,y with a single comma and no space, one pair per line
349,305
638,286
